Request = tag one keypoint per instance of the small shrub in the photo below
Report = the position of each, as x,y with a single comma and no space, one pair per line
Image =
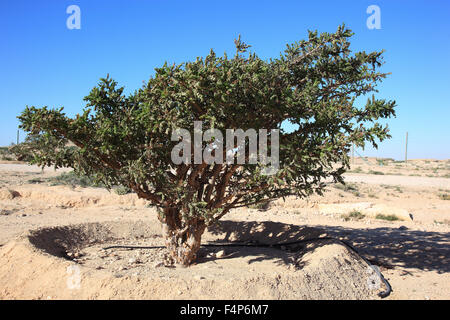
349,187
388,217
122,190
444,196
354,215
35,181
357,170
6,155
376,172
446,221
261,206
72,179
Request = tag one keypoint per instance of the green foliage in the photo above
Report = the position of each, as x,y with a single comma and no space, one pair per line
72,179
357,170
444,196
372,195
376,172
6,154
125,140
354,215
348,187
121,190
261,206
388,217
43,148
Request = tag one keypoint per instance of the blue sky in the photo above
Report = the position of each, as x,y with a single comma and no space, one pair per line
42,62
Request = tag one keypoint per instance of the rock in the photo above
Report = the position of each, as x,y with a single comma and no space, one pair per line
199,278
4,212
132,260
402,228
220,254
8,194
158,264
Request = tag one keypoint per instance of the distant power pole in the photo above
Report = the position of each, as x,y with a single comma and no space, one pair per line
406,148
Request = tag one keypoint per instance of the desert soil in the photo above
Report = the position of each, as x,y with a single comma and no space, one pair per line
412,254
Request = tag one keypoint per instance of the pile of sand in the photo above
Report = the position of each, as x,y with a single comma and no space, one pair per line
70,262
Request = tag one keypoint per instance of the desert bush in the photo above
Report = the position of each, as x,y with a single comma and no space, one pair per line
261,206
122,190
6,154
126,140
444,196
354,215
445,221
349,187
73,179
388,217
357,170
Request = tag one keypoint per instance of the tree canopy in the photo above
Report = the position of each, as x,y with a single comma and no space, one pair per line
126,139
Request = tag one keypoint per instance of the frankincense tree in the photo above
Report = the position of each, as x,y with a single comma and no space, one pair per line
126,140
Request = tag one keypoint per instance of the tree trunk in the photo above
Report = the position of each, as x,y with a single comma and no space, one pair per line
183,243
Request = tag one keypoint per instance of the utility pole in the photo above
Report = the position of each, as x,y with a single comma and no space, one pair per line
406,148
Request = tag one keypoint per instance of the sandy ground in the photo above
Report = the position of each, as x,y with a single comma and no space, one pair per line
414,255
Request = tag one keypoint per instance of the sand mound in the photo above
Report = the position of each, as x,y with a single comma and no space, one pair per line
70,197
71,262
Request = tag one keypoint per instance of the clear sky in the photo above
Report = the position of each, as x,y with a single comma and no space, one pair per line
42,62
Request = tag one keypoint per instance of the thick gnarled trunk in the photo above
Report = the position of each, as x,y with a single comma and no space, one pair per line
183,242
